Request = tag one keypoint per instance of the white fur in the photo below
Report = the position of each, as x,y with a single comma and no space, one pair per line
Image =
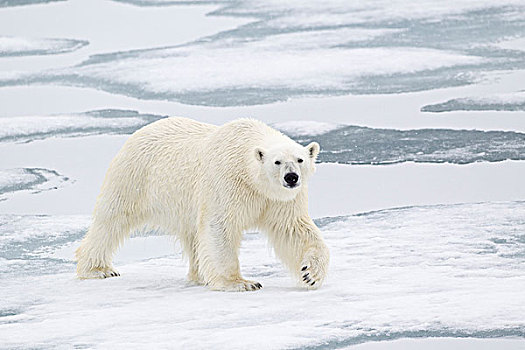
206,185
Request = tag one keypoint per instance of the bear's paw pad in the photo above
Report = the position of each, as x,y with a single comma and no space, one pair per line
312,273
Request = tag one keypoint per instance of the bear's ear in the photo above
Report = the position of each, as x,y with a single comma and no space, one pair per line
313,149
259,154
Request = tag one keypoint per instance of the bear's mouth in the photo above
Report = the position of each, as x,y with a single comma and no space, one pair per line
291,186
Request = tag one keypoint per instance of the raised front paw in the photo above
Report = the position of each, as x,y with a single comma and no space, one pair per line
314,268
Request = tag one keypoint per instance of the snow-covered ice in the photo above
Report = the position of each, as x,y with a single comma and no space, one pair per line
310,128
225,75
405,272
109,121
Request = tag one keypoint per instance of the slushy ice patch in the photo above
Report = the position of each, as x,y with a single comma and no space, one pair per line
33,180
361,145
511,102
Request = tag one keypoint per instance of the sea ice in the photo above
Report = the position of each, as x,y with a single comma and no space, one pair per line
303,49
405,272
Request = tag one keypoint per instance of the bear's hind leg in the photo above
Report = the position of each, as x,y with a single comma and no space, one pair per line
95,254
188,244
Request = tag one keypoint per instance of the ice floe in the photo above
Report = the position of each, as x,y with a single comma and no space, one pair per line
405,272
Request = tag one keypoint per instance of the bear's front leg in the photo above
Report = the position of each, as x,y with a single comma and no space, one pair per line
218,254
299,244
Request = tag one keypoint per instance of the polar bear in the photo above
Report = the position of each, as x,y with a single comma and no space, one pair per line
207,184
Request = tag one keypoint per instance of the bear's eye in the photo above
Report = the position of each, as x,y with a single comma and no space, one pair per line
299,160
277,162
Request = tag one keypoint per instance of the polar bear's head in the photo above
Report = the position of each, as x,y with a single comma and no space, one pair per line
284,169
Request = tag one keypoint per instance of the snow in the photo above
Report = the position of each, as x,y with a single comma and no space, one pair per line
12,46
397,272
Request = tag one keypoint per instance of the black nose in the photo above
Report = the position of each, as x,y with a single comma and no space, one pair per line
291,178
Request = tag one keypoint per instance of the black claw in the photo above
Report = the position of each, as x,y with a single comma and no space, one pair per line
308,280
312,283
254,287
304,268
259,285
306,274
